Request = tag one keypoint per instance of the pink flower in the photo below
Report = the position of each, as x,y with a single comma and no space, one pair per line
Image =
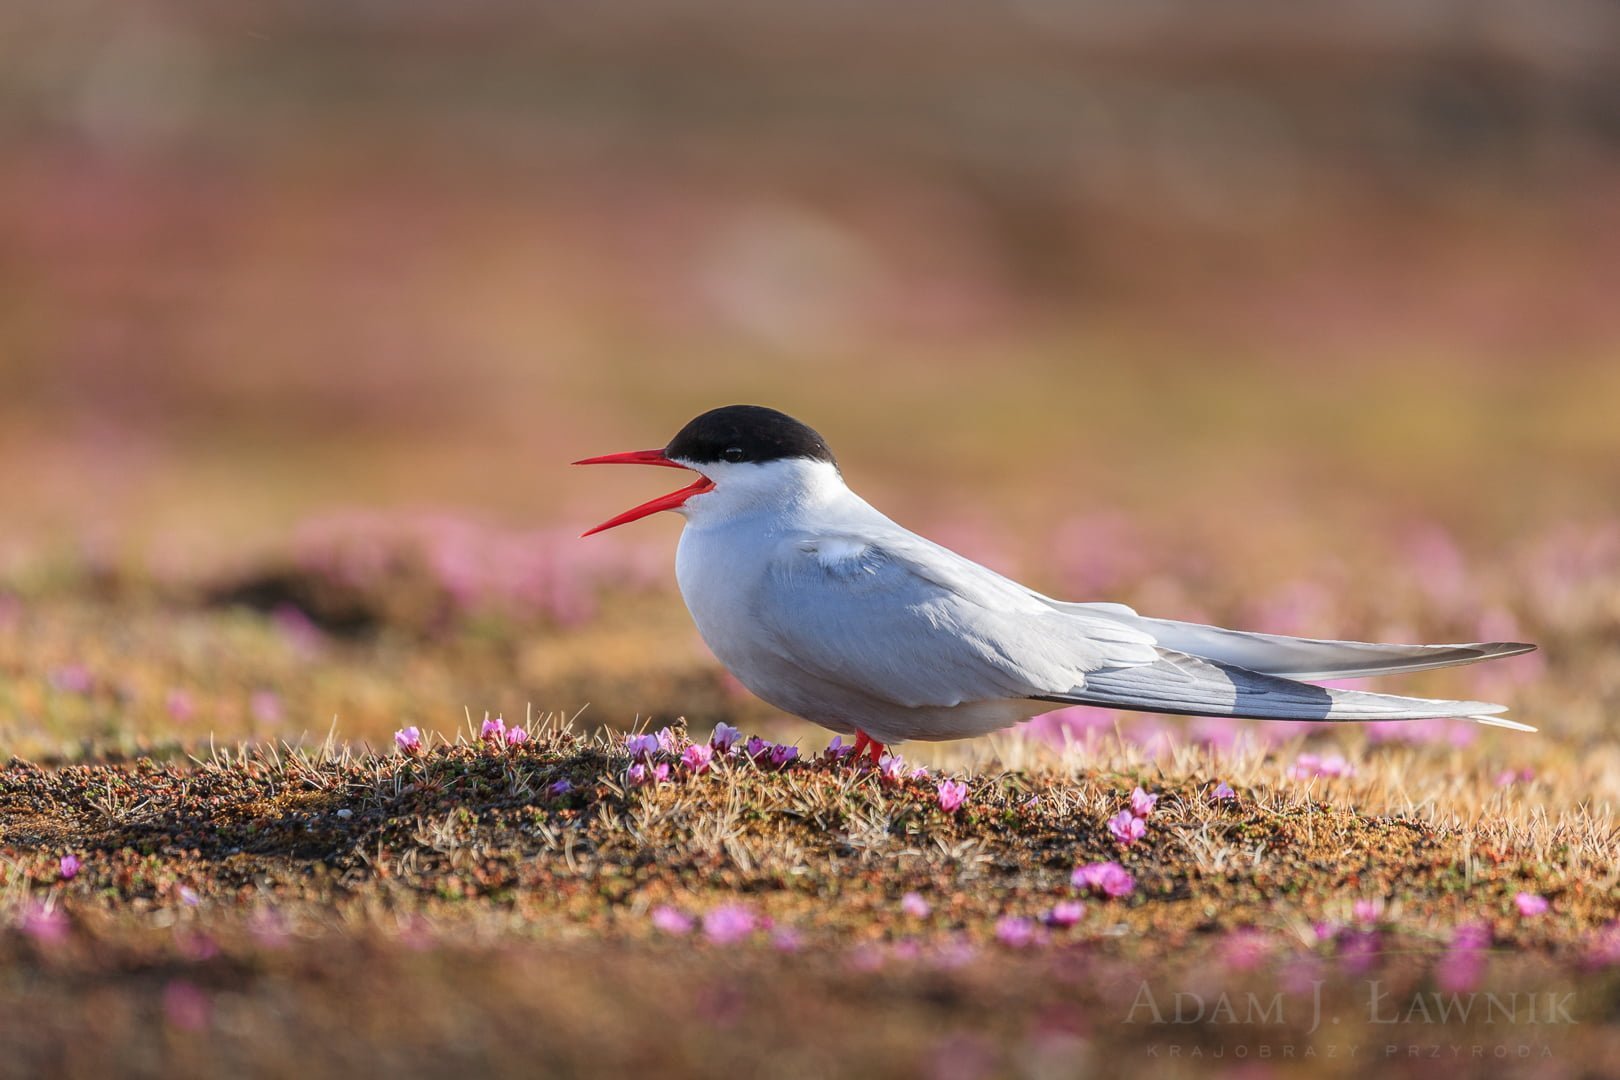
782,754
671,921
1307,766
1108,878
697,758
641,774
728,924
785,939
641,747
69,867
1463,966
838,749
265,706
1015,932
892,767
920,773
560,788
1358,951
1127,827
1515,776
1366,911
1244,949
409,741
668,741
914,905
73,679
493,731
46,925
185,1007
1530,905
724,738
1066,913
1223,793
180,706
757,747
1142,803
517,735
952,794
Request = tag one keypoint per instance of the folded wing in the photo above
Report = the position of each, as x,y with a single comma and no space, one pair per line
1295,657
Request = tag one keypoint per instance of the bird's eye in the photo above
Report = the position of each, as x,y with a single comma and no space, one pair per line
733,454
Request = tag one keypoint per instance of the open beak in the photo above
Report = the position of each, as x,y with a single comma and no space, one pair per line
663,502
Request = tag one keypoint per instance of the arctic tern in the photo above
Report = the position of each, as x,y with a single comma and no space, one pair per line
828,610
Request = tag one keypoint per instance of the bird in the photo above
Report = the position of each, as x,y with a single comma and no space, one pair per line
825,608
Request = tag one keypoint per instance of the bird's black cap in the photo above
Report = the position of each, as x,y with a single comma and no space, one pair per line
737,433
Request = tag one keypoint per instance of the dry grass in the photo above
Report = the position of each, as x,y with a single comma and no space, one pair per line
229,902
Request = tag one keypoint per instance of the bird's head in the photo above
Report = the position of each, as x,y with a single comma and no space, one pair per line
746,456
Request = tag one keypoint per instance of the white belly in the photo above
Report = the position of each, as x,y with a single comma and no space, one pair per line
720,571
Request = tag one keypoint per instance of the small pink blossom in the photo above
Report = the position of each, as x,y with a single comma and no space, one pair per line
1332,766
1223,793
180,706
1508,777
697,758
1244,949
1066,913
781,755
952,794
73,679
641,774
914,905
1142,803
728,924
1108,878
188,896
46,925
1462,968
1366,911
671,921
68,867
560,788
1015,932
724,738
185,1006
757,747
517,735
641,747
668,740
838,749
892,767
1530,905
265,705
1127,827
1358,951
409,741
493,731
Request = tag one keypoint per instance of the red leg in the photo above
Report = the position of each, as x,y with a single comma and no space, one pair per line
862,741
873,747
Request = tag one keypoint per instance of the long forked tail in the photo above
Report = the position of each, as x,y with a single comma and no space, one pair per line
1194,686
1295,657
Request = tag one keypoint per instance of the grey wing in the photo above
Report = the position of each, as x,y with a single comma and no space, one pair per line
907,622
1296,657
1193,686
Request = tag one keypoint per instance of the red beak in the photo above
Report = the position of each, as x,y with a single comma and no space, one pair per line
663,502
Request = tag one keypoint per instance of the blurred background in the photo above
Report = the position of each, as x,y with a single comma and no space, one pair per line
1298,317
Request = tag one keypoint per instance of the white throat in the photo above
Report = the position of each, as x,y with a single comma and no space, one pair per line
779,487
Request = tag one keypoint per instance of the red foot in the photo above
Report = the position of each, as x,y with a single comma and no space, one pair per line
864,743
